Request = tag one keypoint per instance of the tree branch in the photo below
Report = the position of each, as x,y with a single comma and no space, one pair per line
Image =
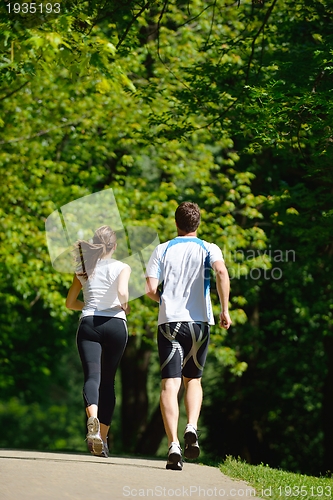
44,132
15,90
122,38
211,26
317,81
198,15
158,28
267,16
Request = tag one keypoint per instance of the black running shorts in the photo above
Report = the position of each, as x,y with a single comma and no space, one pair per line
182,348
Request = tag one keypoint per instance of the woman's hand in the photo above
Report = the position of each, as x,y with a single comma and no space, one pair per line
126,308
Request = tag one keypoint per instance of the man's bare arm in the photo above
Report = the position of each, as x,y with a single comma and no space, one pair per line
223,290
152,289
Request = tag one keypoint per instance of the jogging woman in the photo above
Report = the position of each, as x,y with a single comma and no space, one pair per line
102,333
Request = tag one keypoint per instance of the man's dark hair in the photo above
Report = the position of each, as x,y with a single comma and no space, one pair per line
187,216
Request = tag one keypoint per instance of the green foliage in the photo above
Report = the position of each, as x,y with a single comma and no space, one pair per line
276,484
54,427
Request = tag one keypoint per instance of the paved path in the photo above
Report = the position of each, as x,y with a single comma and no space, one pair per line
58,476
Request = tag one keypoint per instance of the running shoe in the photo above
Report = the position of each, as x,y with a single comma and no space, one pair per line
105,450
94,440
175,461
192,449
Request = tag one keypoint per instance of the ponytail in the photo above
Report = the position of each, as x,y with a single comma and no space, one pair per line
87,254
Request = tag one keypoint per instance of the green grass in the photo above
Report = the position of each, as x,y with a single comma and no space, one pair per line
275,484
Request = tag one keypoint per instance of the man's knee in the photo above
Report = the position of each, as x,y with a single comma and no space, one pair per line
192,382
171,384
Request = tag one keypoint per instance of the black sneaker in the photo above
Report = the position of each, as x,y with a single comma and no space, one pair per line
192,449
175,461
105,450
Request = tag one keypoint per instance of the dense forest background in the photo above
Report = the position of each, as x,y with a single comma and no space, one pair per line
228,104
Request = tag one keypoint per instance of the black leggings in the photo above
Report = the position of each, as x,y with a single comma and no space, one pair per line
101,342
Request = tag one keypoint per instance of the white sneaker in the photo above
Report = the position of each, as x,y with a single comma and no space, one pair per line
94,440
175,461
192,449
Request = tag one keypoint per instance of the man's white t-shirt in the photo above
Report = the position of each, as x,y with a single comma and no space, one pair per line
183,266
100,290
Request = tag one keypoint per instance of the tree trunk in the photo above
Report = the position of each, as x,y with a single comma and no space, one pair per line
134,409
328,407
154,433
139,435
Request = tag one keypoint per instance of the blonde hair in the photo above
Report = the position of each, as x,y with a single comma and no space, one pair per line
87,254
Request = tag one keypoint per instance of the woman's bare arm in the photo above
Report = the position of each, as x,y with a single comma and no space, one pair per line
72,301
123,294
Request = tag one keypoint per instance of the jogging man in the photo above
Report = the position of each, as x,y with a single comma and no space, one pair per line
182,266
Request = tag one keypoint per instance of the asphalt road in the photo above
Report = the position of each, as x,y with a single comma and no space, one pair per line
56,476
